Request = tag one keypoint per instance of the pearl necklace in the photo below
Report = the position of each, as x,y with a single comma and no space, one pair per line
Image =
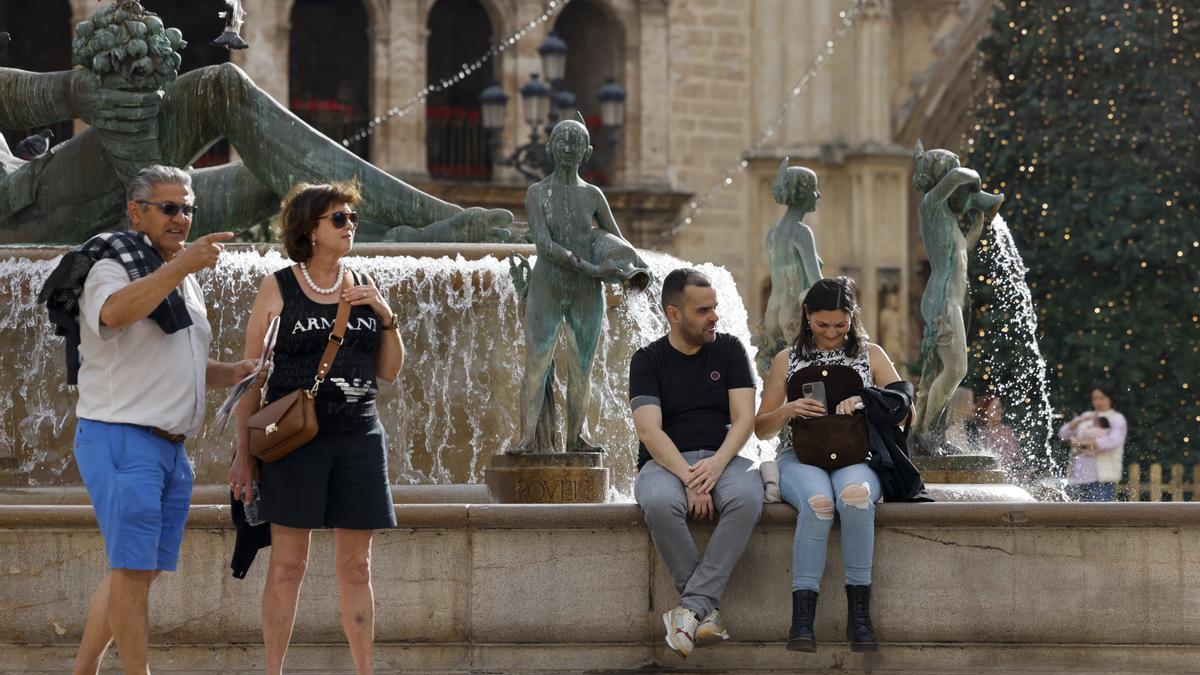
323,291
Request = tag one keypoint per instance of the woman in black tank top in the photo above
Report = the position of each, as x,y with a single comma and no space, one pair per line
346,401
339,479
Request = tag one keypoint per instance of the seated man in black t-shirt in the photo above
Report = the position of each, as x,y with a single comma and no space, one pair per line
692,395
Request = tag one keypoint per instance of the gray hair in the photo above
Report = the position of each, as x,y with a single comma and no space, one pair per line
143,184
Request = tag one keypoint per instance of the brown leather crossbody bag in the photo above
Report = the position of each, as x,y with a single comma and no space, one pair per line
289,422
832,441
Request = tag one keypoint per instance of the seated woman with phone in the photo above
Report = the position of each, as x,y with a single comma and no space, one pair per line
823,468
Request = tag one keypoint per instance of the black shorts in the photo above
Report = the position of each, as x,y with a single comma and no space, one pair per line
334,480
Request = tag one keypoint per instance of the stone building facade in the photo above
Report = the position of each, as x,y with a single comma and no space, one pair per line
703,78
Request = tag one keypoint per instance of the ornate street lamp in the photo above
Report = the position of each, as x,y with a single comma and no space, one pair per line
554,58
493,100
564,105
546,104
612,103
536,97
612,115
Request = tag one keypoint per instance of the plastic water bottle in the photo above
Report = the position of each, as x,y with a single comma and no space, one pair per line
251,509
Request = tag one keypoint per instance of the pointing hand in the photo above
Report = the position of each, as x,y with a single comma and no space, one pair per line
203,252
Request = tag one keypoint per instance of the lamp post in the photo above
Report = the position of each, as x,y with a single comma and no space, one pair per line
545,102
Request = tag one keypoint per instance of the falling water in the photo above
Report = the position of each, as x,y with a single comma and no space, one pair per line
36,407
454,405
1013,340
235,16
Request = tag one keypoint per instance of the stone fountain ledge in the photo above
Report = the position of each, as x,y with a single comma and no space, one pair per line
629,516
505,588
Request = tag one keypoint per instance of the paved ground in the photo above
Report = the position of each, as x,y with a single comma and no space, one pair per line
307,659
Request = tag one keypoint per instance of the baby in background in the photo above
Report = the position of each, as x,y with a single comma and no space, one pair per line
1093,429
1084,466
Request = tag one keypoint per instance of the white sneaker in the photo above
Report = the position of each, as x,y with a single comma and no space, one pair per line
711,630
681,630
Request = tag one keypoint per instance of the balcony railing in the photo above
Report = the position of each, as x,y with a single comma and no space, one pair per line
335,119
456,144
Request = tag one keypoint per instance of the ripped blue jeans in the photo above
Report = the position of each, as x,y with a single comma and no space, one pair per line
817,494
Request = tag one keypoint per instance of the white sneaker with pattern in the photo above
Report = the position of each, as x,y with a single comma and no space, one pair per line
711,630
681,630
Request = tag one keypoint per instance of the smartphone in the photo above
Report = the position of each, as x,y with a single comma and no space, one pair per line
815,391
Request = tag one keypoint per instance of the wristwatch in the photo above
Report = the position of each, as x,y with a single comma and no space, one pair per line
394,324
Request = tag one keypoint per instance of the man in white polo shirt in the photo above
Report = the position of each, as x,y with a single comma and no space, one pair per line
143,365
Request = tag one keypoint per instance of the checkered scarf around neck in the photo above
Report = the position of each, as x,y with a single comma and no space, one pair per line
64,287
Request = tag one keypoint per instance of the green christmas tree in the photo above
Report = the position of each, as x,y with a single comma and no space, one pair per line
1087,127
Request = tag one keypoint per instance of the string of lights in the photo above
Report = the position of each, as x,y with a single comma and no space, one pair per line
979,85
466,69
846,22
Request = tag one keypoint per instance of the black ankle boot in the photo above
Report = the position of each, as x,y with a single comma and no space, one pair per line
804,609
859,631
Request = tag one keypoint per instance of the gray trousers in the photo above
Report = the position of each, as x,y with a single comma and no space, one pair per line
738,498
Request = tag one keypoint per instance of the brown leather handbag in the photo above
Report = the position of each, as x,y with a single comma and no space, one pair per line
289,422
832,441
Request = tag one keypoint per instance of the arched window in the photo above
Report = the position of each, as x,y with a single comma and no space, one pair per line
41,42
200,22
460,31
329,68
595,45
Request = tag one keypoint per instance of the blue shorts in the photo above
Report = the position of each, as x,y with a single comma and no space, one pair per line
141,487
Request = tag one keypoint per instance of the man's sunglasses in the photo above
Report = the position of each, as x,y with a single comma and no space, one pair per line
171,209
340,218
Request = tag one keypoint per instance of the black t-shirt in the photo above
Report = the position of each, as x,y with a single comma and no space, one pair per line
346,400
692,390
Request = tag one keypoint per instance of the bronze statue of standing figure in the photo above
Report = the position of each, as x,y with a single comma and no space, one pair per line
791,255
951,216
574,260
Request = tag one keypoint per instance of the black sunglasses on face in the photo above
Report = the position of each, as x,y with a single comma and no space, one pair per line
339,218
171,209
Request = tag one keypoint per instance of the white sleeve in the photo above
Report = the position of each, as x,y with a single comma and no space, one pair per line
106,277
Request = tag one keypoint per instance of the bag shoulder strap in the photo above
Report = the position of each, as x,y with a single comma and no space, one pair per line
336,337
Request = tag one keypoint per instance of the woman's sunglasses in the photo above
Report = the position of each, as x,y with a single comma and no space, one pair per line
340,218
171,209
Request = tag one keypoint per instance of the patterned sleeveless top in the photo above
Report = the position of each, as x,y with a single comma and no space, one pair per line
346,400
833,357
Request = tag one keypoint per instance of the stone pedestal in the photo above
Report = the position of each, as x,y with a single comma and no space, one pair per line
960,469
547,478
968,478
